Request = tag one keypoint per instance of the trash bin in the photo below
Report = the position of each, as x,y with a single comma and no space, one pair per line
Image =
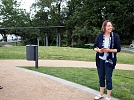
31,52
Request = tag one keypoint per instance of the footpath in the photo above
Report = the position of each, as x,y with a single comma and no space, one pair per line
22,84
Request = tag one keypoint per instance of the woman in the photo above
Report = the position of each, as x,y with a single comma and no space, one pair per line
106,45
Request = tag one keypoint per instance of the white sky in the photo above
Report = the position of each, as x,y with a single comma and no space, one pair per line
26,4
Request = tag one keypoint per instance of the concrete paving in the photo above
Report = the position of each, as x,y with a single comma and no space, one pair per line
128,49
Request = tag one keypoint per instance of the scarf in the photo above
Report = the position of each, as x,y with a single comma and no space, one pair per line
109,55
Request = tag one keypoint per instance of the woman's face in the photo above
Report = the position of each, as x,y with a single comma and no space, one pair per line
109,27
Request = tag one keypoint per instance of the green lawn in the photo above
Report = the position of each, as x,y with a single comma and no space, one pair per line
60,53
123,81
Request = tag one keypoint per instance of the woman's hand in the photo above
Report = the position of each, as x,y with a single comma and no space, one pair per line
108,50
105,50
100,51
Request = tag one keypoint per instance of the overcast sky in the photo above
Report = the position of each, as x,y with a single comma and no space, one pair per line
26,4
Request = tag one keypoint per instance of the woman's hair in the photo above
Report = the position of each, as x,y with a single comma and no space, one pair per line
103,28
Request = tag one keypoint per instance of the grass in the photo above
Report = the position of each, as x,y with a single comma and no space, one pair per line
61,53
123,87
65,53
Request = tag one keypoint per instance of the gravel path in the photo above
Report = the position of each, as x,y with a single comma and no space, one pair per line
61,63
21,85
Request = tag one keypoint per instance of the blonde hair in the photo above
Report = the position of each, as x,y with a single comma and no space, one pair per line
103,28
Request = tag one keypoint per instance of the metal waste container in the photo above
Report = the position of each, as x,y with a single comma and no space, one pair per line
31,52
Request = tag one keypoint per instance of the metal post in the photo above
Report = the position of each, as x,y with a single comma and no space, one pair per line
46,40
38,40
36,56
16,43
57,39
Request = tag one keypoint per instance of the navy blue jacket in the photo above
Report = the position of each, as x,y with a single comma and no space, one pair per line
98,43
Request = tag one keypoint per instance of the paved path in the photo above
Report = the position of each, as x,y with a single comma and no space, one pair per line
22,84
128,49
61,63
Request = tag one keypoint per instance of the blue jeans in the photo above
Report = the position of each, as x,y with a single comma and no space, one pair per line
105,72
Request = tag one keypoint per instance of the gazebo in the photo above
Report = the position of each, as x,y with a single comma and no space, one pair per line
58,34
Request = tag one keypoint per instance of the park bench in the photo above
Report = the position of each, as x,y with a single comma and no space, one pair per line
90,45
132,45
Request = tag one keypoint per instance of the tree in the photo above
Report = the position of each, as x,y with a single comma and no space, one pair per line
83,20
85,17
49,14
12,16
121,13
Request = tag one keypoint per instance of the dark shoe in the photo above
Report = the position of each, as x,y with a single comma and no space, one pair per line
1,87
